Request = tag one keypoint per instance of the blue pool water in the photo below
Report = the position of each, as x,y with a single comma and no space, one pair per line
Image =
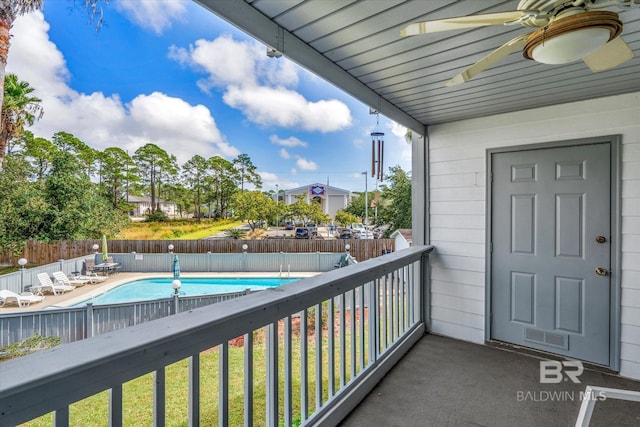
145,289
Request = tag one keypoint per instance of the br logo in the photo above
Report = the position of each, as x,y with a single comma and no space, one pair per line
554,372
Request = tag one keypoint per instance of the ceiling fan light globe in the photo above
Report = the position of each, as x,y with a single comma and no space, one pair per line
570,46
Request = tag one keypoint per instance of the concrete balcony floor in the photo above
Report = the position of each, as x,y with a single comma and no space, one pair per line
446,382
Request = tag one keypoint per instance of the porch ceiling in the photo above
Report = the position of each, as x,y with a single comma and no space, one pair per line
356,45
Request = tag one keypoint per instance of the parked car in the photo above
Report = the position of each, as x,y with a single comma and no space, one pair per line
378,232
313,229
356,227
346,234
365,234
303,233
289,225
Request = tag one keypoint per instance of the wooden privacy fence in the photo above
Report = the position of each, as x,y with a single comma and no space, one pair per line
38,253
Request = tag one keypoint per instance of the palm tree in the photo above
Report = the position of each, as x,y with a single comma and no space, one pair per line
19,108
9,11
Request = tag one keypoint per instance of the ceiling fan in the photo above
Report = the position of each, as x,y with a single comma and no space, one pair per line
567,31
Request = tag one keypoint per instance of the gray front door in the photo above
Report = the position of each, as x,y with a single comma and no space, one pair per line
550,231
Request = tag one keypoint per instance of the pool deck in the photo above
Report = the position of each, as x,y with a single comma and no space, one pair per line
89,290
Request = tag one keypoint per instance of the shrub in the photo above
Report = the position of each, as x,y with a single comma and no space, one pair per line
236,233
28,346
157,216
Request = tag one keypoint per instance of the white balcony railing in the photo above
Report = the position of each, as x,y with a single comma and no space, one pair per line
311,350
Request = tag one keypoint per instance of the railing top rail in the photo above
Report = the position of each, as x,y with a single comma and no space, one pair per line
69,373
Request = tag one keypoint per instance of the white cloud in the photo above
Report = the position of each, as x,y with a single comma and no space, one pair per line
293,171
284,153
270,180
306,165
292,141
35,58
105,121
261,87
155,15
401,153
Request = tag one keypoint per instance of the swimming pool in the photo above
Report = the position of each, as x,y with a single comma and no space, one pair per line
154,288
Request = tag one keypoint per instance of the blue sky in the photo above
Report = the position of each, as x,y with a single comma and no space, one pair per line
171,73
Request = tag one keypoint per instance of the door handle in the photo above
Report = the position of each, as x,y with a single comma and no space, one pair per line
601,271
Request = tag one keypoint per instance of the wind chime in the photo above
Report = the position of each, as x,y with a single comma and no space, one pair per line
377,160
377,151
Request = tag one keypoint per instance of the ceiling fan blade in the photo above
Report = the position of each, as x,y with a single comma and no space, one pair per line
500,53
610,55
461,22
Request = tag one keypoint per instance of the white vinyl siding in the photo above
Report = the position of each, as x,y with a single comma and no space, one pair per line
457,179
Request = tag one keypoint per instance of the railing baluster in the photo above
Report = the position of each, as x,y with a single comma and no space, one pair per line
272,374
248,379
389,311
331,348
373,321
159,397
354,342
361,325
61,417
194,390
288,380
403,303
115,406
223,385
411,293
304,377
392,312
343,341
384,328
392,308
407,289
396,302
318,343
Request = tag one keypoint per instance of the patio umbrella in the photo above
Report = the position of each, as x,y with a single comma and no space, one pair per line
176,267
105,251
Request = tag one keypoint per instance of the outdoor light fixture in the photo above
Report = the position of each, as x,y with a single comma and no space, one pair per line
244,248
95,248
176,287
572,37
170,248
347,247
22,262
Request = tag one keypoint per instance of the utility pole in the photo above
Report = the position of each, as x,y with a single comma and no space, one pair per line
366,201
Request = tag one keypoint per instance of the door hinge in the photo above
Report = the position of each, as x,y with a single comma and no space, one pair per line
491,247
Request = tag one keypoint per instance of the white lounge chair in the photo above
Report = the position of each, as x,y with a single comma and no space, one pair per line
47,285
23,300
61,277
92,278
92,275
